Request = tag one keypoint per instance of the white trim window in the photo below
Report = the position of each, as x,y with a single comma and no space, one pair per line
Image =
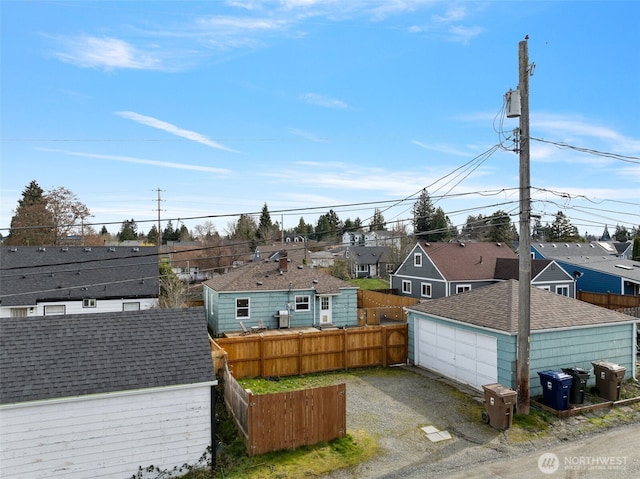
461,288
544,288
563,290
243,307
89,303
303,303
389,267
425,290
417,260
362,268
54,309
406,286
132,306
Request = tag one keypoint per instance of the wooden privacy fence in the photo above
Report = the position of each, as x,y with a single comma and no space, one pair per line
375,306
609,300
286,420
264,355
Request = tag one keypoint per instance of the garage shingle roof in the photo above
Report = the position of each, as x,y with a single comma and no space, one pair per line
496,307
63,356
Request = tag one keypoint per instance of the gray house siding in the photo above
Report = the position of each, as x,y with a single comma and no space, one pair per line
419,274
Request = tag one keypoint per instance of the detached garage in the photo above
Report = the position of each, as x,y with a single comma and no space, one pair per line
99,395
472,337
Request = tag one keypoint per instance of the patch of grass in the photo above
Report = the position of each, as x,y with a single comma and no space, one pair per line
370,283
535,421
303,462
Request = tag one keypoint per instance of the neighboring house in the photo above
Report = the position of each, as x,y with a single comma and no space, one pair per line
44,281
353,238
102,395
389,239
436,270
545,274
595,270
369,261
472,337
322,259
278,294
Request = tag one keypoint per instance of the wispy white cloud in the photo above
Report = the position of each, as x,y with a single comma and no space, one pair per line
141,161
308,136
442,148
105,53
174,130
321,100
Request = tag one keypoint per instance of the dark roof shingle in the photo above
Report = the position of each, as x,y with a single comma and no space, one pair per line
75,355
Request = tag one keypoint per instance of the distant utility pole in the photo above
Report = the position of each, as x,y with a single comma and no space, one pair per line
524,277
159,230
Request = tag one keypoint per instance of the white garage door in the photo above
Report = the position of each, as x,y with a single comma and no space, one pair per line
471,358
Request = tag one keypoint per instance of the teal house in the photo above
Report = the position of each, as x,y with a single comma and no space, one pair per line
278,294
472,337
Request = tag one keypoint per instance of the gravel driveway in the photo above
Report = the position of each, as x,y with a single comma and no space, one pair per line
394,406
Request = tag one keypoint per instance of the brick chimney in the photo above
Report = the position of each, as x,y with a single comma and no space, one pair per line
283,261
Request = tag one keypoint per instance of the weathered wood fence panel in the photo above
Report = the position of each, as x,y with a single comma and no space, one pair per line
374,306
287,420
609,300
263,355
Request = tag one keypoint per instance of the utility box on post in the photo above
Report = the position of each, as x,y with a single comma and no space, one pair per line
512,100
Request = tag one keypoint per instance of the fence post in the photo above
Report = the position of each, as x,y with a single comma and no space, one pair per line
299,352
262,359
385,339
346,349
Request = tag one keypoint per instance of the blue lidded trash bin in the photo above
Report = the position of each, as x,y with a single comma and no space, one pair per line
555,389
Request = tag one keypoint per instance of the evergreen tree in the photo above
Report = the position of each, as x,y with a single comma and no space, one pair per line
377,221
265,226
562,230
423,211
301,229
152,236
183,233
605,234
501,229
32,222
635,251
621,234
322,229
128,231
104,231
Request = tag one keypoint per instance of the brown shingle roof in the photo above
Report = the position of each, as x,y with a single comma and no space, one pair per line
473,261
496,307
509,268
265,276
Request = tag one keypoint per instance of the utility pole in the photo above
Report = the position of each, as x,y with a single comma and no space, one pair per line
524,277
159,230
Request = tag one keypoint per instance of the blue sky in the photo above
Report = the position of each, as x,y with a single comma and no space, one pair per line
309,105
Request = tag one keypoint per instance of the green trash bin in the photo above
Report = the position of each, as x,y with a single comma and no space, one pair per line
609,377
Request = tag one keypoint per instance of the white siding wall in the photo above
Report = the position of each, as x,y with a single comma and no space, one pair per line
105,436
75,307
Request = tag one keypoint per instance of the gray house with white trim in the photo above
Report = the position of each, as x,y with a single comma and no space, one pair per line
472,337
100,395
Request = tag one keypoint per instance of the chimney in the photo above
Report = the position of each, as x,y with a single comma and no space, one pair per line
283,261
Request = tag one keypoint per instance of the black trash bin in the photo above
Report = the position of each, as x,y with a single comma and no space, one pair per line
578,384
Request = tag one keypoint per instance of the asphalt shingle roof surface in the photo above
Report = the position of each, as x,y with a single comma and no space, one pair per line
266,276
64,356
29,274
473,261
496,307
